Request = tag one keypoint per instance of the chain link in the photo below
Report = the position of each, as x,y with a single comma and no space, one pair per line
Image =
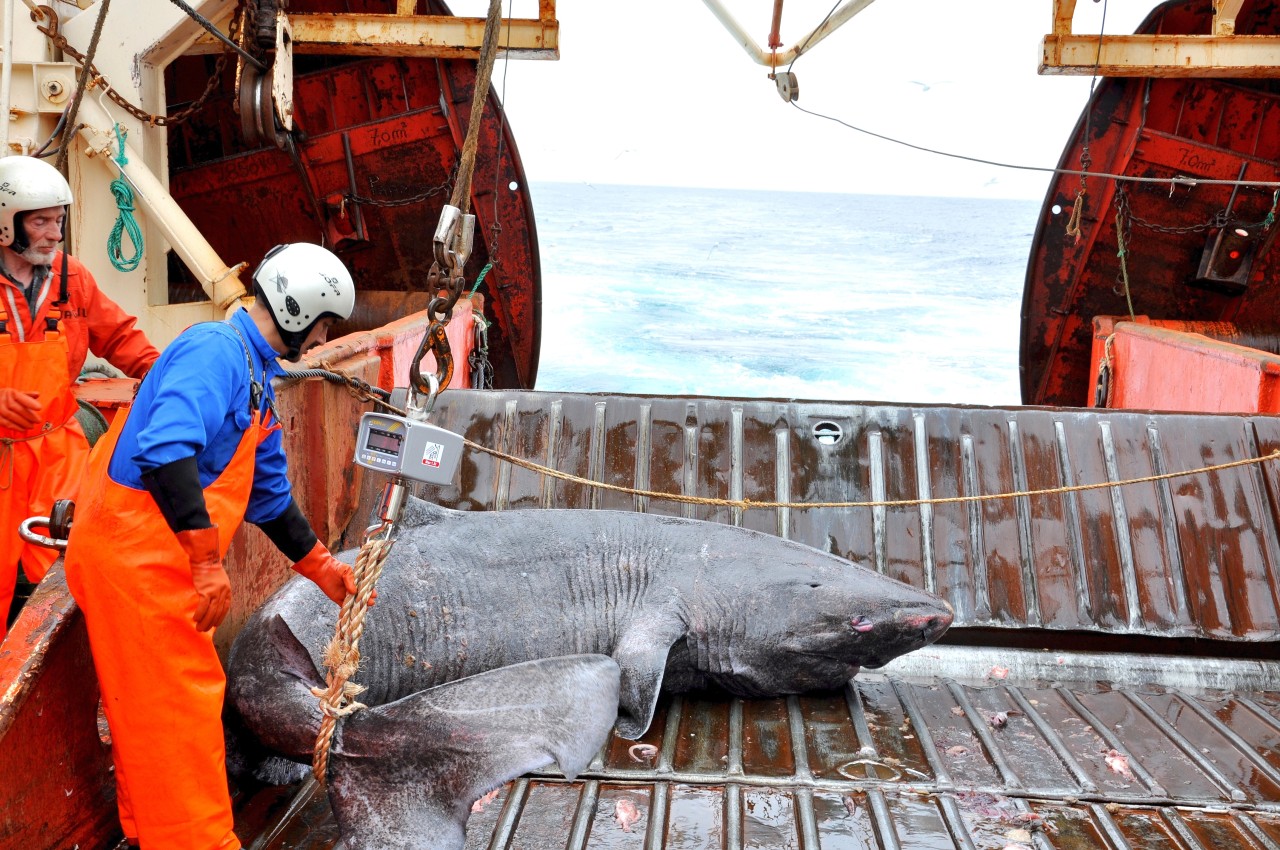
442,189
96,79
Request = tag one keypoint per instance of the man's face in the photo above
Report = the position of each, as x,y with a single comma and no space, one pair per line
318,336
44,232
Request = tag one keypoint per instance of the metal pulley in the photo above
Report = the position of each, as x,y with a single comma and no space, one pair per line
57,523
454,237
788,86
257,109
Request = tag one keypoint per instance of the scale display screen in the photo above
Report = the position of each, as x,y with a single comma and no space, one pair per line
384,442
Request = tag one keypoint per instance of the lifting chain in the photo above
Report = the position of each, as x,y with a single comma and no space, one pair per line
456,230
54,33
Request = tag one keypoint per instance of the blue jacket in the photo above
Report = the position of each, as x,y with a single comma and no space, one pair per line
195,402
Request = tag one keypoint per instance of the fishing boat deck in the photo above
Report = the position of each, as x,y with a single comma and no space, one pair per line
941,752
1109,682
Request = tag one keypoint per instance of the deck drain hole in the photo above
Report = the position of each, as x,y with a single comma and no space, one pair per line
827,433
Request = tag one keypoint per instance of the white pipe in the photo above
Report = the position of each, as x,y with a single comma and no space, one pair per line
6,77
766,57
219,281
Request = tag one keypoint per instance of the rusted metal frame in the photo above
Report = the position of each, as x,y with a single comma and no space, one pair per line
420,36
1260,764
595,454
954,819
1063,13
1112,740
782,479
924,490
1261,713
555,424
977,538
1071,517
1120,512
732,816
1188,749
1121,151
733,763
642,479
1169,526
879,514
504,829
1174,56
736,450
807,817
502,490
1269,543
771,58
580,830
1224,16
924,735
1179,826
1053,739
689,474
1022,517
983,730
882,820
1107,825
1255,832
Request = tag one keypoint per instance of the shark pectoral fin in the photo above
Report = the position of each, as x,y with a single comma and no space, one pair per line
415,766
294,658
642,655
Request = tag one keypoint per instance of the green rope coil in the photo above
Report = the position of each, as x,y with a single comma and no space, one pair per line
125,224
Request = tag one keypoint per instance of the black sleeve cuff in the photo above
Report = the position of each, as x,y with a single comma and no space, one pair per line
290,532
176,490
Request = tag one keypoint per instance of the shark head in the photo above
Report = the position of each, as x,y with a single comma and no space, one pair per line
806,621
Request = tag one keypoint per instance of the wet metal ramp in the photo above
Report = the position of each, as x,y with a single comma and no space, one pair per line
1012,750
1191,557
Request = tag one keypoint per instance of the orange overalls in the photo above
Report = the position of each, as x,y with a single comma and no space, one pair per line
44,354
162,683
44,464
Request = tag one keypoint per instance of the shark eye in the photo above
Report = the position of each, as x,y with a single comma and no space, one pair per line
815,585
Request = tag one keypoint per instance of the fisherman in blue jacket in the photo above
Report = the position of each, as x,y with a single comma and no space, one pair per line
166,490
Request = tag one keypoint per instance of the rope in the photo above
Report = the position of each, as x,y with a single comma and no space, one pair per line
748,504
6,451
1122,251
125,224
480,278
1077,212
342,655
484,72
81,85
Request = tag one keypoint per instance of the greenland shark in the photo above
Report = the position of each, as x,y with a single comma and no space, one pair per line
504,641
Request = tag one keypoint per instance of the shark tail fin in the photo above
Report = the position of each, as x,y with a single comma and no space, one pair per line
415,766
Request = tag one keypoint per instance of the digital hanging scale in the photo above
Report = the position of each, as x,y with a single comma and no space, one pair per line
399,446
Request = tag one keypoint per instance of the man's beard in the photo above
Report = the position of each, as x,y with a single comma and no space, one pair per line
38,257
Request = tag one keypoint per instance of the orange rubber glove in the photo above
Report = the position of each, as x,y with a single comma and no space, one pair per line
332,576
208,576
19,410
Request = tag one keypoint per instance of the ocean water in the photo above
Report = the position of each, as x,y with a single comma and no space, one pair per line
680,291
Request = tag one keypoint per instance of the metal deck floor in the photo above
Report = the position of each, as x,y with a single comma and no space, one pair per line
906,758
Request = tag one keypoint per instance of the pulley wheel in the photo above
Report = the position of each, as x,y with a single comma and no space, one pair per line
257,112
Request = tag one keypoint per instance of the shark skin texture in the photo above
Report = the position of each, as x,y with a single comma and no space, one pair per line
505,641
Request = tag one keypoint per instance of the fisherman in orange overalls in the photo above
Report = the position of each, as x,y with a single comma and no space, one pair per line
166,489
51,314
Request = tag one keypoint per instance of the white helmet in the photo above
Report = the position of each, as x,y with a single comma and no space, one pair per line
301,284
26,184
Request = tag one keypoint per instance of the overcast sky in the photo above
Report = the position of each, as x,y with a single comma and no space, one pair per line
659,93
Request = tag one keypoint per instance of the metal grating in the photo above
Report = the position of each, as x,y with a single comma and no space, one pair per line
960,759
